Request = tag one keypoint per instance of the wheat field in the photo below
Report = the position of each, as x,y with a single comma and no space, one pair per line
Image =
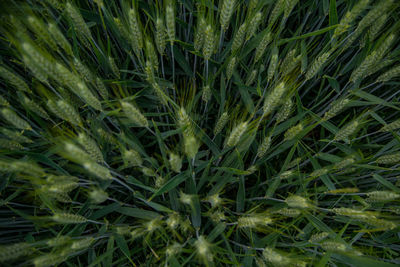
200,133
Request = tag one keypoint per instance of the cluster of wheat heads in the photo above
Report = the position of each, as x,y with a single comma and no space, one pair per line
187,133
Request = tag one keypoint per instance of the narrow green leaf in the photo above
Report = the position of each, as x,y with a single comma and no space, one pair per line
310,34
172,183
123,246
138,213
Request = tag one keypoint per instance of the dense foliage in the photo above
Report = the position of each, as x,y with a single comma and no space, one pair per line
187,133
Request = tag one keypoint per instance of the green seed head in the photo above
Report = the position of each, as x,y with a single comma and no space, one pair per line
68,218
236,134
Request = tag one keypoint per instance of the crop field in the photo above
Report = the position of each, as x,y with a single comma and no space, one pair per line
200,133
